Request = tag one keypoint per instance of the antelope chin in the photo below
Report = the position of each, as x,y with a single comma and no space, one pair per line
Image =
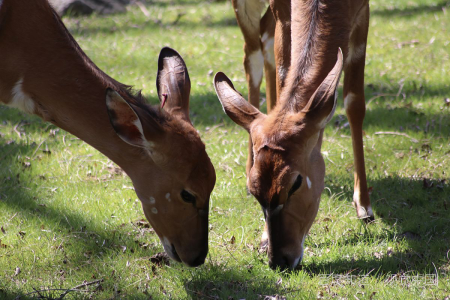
170,249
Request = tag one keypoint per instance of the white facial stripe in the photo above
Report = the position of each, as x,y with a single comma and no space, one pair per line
154,210
20,99
355,53
277,209
256,65
308,182
152,200
168,197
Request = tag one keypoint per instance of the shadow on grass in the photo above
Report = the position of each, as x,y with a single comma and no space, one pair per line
223,283
74,242
410,11
183,22
417,215
148,25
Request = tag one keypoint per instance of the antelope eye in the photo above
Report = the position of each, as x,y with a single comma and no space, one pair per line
187,197
296,185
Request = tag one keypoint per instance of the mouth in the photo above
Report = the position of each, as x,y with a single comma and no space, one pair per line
170,250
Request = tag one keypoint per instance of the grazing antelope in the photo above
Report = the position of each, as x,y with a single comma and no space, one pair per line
43,71
286,169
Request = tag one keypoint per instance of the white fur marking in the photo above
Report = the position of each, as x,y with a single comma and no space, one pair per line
264,37
361,212
357,197
152,200
348,100
138,124
165,241
167,246
299,258
277,209
308,182
355,53
256,64
146,143
282,72
268,52
265,236
168,197
369,211
20,99
154,210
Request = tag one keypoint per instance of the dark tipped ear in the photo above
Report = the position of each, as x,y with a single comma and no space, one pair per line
173,83
234,105
321,106
124,120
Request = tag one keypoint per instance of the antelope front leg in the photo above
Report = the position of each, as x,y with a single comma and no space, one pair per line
355,107
282,40
267,42
248,16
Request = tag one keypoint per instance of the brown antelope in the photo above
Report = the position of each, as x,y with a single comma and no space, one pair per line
43,71
286,169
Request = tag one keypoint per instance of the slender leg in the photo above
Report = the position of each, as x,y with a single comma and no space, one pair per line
282,40
355,108
267,43
248,15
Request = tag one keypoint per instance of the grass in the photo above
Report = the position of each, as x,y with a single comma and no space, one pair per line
68,215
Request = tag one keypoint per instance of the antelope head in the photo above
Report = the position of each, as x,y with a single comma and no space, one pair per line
287,174
174,176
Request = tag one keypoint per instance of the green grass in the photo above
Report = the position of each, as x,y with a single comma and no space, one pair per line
67,215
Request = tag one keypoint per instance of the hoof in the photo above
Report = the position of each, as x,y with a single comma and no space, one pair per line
364,214
368,219
263,246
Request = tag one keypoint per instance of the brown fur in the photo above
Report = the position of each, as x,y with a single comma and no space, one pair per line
286,143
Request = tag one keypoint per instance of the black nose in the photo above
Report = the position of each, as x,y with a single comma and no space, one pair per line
279,262
198,261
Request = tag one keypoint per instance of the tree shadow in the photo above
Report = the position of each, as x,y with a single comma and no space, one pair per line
224,283
415,212
410,11
172,21
80,241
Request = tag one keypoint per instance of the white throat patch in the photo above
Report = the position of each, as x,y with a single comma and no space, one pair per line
20,99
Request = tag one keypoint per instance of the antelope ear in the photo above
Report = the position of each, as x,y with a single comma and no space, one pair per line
173,83
234,105
321,106
125,120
